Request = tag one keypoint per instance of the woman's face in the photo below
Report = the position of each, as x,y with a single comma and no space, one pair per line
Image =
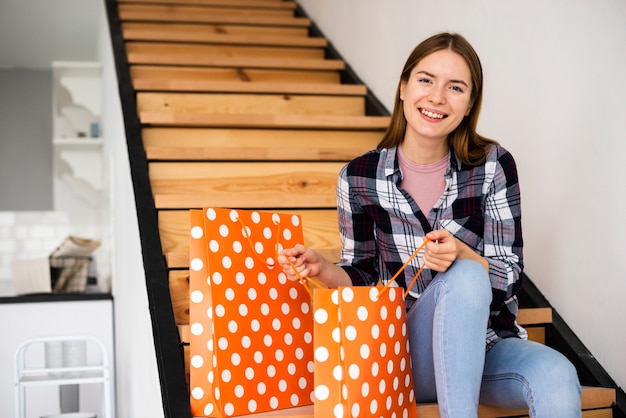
436,97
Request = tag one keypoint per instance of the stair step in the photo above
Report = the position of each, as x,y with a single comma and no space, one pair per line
176,144
186,85
221,34
240,80
592,398
249,75
230,56
319,228
270,4
239,104
264,121
200,14
244,185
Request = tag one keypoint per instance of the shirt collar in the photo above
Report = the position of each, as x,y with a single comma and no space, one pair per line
392,167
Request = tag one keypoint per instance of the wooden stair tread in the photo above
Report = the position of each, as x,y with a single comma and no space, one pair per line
591,398
534,316
179,85
237,56
250,75
190,58
216,28
256,144
264,121
271,4
217,34
244,185
526,317
199,14
241,104
180,50
319,228
214,10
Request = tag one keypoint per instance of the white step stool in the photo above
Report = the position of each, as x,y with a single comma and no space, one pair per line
31,370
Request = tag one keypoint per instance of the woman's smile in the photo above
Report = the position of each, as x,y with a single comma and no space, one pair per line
431,114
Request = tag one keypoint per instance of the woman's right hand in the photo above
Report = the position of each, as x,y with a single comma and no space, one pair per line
305,260
310,263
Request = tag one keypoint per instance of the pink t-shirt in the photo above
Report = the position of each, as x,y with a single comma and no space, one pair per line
424,182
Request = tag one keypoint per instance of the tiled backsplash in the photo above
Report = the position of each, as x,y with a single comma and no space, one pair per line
32,235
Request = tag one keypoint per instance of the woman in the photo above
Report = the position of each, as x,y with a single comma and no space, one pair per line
434,178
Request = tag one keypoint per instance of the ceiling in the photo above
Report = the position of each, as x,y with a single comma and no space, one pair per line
33,33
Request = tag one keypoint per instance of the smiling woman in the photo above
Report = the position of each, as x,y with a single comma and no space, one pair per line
434,182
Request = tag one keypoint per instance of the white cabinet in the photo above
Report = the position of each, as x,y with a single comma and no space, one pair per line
76,99
66,315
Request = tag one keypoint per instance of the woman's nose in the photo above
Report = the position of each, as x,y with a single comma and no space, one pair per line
437,95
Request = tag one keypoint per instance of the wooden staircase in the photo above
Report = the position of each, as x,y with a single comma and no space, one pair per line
238,103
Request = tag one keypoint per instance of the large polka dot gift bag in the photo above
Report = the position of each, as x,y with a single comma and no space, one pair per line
251,347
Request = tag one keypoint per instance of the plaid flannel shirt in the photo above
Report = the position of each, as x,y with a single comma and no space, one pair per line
381,226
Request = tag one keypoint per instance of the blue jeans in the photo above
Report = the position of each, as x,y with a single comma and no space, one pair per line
447,329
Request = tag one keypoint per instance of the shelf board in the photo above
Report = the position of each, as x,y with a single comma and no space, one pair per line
77,142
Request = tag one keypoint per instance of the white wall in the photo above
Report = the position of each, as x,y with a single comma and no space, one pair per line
33,33
554,96
138,387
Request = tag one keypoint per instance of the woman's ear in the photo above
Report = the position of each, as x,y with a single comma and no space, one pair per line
402,88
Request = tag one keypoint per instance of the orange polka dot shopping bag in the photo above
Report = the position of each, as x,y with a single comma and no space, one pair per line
251,347
362,360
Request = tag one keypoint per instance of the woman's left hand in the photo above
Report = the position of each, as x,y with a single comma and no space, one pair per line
444,248
441,251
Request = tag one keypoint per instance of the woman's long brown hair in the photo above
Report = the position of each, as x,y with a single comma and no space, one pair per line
468,145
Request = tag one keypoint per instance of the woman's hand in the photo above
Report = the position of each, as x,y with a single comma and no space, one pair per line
441,251
305,260
310,263
444,248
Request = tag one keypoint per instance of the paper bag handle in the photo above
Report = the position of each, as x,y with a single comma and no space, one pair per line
302,280
305,280
415,253
257,255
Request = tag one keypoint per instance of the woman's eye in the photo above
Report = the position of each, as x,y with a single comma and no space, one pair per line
457,89
423,80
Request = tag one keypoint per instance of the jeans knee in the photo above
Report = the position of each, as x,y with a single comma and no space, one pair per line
558,376
566,376
470,281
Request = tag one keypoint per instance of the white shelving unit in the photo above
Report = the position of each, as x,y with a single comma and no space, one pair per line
83,156
77,158
76,99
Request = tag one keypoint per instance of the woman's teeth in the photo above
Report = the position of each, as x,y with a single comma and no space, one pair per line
432,115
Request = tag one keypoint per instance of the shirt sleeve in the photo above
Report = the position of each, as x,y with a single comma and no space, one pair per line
356,227
503,232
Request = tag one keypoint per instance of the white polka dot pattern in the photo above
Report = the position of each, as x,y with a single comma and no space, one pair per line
361,357
251,345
